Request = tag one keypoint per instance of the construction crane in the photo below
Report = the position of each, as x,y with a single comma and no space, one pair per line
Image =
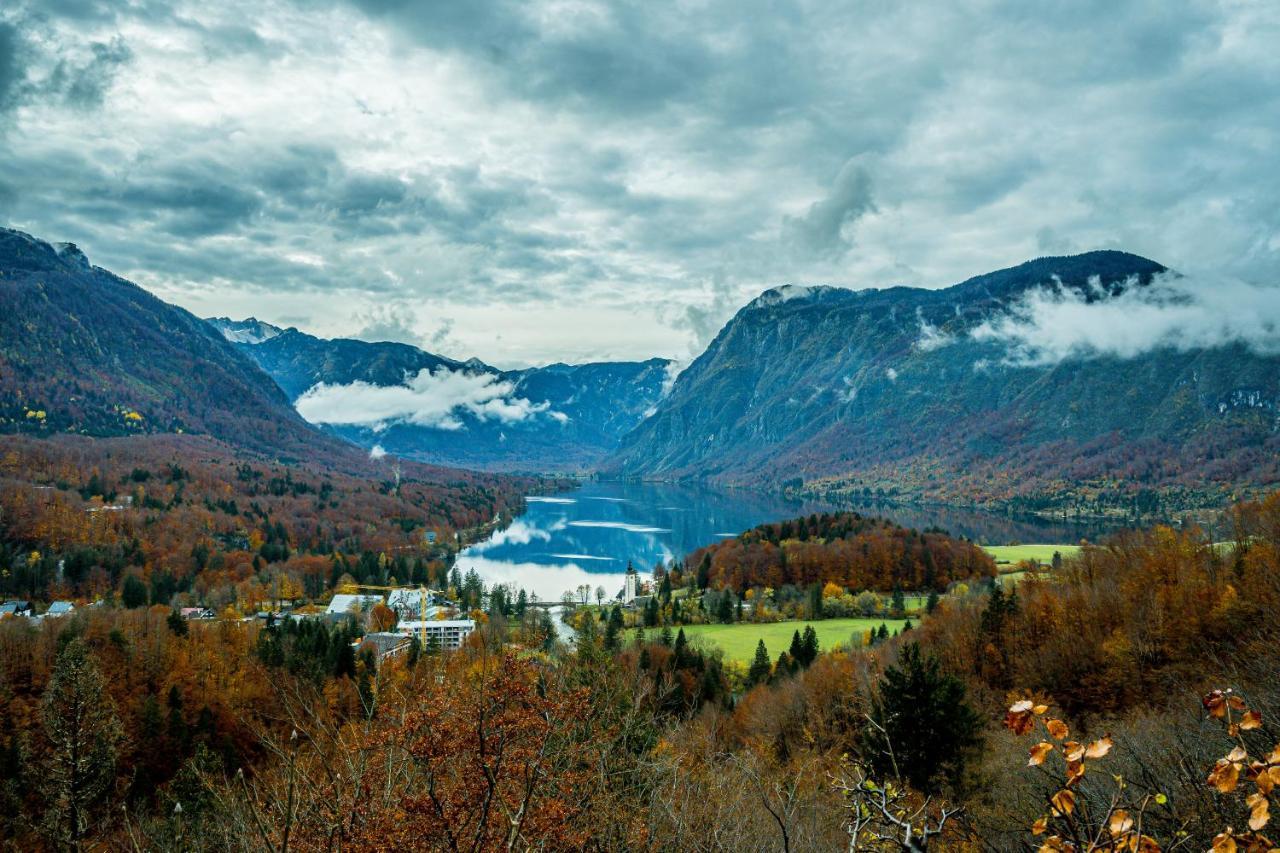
353,588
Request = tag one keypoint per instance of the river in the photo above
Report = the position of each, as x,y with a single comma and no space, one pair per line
588,535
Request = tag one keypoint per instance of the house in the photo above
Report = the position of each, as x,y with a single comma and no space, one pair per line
60,608
16,607
441,633
385,644
345,604
196,613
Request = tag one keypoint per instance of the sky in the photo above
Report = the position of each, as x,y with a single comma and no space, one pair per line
549,180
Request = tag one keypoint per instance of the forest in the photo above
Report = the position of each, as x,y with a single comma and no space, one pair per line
1075,712
179,520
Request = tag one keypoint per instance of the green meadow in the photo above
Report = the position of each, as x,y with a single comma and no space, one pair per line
1011,555
739,640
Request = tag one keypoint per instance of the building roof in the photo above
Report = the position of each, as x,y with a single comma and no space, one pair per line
385,642
345,603
58,608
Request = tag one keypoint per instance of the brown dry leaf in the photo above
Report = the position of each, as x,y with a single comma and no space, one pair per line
1040,709
1075,771
1019,718
1224,776
1120,822
1224,842
1258,815
1261,776
1064,802
1143,844
1041,826
1251,720
1237,755
1054,844
1215,703
1073,751
1057,729
1236,703
1039,753
1098,748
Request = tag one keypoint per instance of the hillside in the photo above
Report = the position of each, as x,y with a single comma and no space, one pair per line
84,351
556,418
897,390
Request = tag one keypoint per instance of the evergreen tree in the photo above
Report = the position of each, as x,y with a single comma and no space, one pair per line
923,728
898,605
682,648
177,624
808,646
883,633
760,668
724,610
815,602
613,629
665,636
133,593
704,571
931,604
83,730
797,648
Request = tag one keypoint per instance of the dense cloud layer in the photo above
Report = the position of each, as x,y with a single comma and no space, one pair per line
596,180
1183,313
426,399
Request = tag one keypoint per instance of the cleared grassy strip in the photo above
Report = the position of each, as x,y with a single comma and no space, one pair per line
1013,554
739,640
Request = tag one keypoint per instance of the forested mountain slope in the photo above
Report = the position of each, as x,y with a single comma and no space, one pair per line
921,393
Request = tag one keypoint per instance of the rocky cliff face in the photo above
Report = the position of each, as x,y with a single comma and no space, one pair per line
918,391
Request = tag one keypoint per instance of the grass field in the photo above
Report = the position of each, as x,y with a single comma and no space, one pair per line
739,641
1014,554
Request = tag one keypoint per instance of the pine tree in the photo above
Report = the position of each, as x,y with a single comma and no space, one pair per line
682,648
883,633
724,611
83,731
809,646
704,571
133,593
797,648
899,603
760,667
931,604
923,726
177,624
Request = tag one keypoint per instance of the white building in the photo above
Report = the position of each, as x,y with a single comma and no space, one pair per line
408,602
631,586
443,633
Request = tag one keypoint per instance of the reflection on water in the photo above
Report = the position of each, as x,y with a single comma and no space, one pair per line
587,536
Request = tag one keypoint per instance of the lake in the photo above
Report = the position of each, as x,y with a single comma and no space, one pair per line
588,535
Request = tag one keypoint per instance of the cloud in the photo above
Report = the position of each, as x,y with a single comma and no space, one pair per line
632,178
438,400
1049,325
376,452
395,323
824,229
931,337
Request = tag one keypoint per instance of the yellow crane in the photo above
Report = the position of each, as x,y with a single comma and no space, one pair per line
423,594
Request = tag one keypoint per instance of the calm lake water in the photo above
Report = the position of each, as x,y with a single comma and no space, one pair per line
588,535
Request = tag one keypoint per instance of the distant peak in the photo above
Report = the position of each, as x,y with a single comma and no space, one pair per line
71,253
791,293
247,331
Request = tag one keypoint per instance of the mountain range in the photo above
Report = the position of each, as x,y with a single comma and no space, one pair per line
946,394
561,417
964,395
